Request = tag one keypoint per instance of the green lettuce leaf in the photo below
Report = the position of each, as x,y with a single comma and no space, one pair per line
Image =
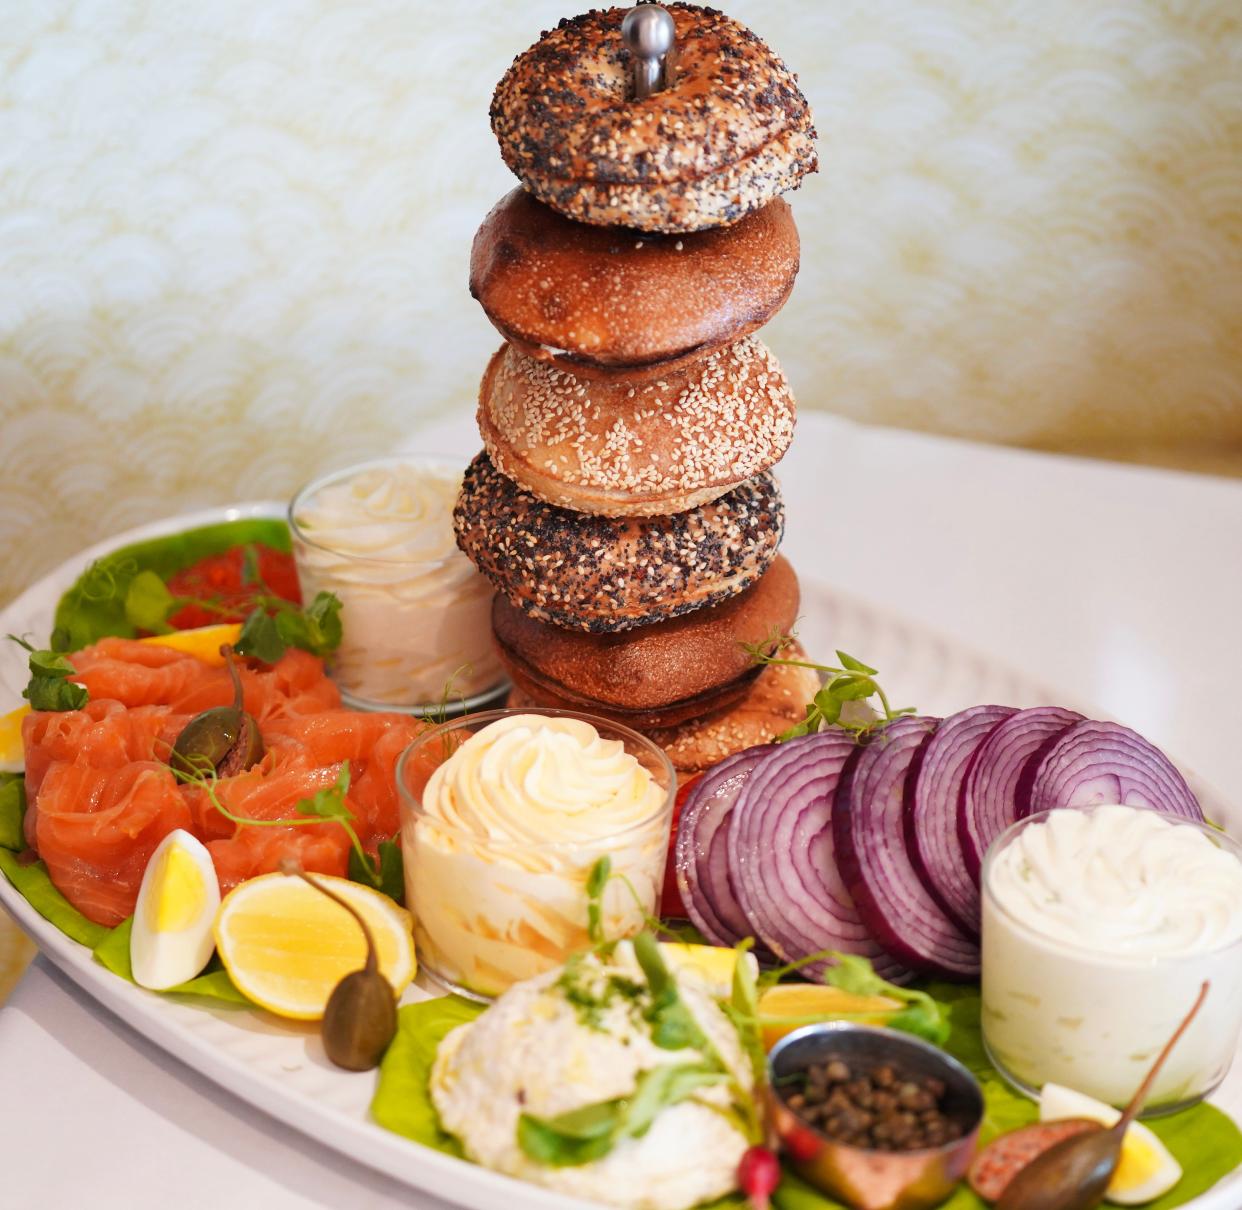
402,1100
1205,1141
12,811
95,605
34,885
214,983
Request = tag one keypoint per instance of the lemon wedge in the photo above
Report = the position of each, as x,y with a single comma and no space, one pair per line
1145,1169
286,946
788,1004
203,641
12,755
713,964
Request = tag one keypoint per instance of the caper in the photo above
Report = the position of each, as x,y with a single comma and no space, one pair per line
360,1019
224,739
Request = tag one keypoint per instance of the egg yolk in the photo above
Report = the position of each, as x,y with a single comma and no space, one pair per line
1138,1163
179,895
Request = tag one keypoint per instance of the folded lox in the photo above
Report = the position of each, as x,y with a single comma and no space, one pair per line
827,843
101,796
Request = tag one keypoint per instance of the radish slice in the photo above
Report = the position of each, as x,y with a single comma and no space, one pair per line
1107,763
701,851
997,790
931,814
781,855
869,832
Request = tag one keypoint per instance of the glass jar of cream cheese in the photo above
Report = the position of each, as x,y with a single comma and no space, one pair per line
416,614
503,816
1099,926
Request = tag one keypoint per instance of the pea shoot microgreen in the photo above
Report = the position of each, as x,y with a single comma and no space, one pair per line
327,805
49,687
852,681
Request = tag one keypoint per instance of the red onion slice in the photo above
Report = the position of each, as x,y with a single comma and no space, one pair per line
869,831
1096,762
781,855
997,790
701,851
931,814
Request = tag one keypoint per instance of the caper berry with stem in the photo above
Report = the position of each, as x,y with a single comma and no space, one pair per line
222,741
360,1019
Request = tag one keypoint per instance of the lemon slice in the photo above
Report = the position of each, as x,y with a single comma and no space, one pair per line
12,755
286,946
714,964
203,641
787,1004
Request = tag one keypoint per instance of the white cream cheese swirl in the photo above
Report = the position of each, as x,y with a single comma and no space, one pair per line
509,828
416,614
1123,880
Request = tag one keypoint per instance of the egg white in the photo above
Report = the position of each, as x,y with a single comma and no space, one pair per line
1146,1169
177,903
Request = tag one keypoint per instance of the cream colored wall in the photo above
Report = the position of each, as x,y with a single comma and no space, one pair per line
233,237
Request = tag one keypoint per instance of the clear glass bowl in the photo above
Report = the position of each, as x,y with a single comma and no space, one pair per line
491,910
1093,1019
416,614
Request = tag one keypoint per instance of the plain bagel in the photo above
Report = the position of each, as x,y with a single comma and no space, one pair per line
650,448
599,299
658,675
731,131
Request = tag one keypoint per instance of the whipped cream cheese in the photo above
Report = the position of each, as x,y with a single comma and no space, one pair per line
1098,927
504,837
416,614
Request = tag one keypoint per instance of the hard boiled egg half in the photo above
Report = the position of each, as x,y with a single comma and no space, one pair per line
177,905
1145,1169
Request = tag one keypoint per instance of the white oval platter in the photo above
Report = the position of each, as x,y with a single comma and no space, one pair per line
281,1068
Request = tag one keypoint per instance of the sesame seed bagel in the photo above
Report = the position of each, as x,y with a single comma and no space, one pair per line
773,702
658,675
620,448
604,574
730,132
595,299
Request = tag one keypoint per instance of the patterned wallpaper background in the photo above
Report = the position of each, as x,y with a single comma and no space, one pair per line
234,236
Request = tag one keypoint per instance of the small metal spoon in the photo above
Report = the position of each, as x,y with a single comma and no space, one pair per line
1073,1174
649,33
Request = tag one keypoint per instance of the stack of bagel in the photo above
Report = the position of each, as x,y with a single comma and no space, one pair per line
624,504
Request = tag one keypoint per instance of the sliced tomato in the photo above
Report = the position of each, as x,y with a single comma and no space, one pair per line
671,905
222,579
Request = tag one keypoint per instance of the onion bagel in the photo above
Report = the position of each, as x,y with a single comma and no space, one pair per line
658,675
604,574
595,299
730,132
636,449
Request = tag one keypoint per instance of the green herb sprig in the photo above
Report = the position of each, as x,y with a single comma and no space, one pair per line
274,625
853,681
324,806
271,627
49,687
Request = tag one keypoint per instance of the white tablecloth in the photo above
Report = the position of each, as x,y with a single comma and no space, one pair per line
1123,585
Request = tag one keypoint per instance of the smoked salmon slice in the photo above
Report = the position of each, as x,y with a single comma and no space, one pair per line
95,830
101,796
